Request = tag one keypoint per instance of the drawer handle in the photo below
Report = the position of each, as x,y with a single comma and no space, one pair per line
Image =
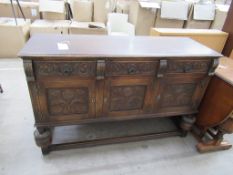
132,70
187,68
67,70
100,69
162,68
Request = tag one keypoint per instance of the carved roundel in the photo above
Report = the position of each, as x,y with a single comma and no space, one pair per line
178,95
66,101
82,69
127,98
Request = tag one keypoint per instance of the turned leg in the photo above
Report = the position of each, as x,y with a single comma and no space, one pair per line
43,139
219,137
216,143
186,124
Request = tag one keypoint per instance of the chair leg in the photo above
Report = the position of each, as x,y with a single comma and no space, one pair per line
13,10
215,144
20,9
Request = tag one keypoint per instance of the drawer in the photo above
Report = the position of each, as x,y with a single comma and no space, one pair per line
188,66
65,68
127,68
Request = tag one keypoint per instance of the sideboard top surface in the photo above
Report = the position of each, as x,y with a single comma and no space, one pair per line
50,45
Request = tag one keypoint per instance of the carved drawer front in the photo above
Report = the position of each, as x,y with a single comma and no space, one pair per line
127,68
63,69
67,101
188,66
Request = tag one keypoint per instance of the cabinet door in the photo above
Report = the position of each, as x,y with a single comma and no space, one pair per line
180,94
127,97
66,101
66,90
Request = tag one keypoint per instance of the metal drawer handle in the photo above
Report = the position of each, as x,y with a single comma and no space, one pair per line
163,64
67,70
132,70
187,68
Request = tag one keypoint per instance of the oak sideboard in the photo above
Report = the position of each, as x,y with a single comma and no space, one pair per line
84,79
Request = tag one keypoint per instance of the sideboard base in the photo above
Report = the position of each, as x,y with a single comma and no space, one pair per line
68,137
133,138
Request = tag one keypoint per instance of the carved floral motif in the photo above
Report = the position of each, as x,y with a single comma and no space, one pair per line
178,95
128,68
65,68
127,98
188,66
68,101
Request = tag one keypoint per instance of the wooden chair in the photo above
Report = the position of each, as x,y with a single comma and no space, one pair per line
13,10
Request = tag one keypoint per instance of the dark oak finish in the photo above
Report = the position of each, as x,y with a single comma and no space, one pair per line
217,103
228,27
102,78
216,110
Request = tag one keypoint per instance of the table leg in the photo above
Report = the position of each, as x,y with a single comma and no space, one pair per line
43,138
216,142
186,123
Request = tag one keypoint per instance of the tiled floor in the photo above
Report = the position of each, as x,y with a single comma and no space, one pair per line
19,155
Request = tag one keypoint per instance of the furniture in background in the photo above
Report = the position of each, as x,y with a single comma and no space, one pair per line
82,10
14,12
76,79
215,116
228,27
231,55
142,18
87,28
118,25
201,15
50,26
220,16
142,14
214,39
52,9
172,14
12,36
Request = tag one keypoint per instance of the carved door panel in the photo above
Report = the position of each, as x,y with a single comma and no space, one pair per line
127,96
66,101
180,94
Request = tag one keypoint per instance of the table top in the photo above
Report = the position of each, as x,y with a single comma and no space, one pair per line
190,31
225,70
52,45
